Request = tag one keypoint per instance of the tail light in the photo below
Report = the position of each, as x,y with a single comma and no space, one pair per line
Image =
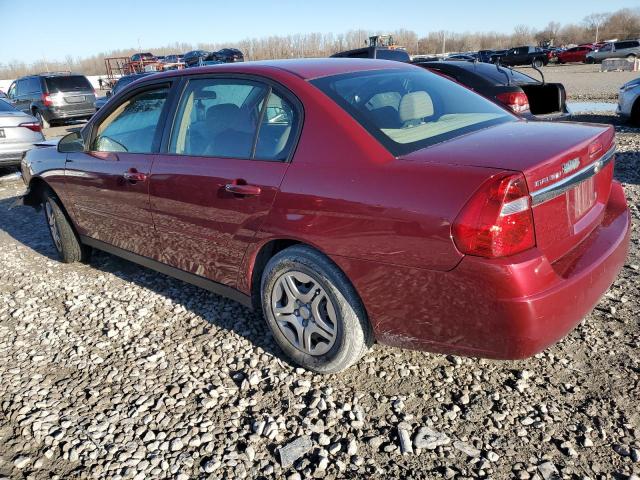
518,102
33,126
497,221
46,100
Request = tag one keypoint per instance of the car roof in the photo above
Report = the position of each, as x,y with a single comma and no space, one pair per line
305,68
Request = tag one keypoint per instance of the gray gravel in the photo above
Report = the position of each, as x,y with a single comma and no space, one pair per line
109,370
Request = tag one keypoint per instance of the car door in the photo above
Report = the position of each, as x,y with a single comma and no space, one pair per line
21,99
225,159
108,183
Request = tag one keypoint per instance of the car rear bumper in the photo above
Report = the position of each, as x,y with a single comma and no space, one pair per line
64,113
11,154
507,308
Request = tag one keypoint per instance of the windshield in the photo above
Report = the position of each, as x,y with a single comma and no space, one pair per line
67,83
409,110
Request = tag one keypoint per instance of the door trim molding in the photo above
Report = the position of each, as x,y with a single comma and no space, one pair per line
202,282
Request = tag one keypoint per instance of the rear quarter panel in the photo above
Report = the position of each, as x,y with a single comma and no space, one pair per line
348,196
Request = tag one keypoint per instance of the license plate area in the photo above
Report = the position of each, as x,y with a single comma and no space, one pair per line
583,197
74,99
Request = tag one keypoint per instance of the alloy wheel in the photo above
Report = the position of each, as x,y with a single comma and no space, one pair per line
304,313
53,226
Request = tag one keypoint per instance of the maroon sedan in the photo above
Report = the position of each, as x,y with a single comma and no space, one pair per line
575,54
351,200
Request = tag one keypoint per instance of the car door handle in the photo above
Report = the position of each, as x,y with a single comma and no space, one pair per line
132,175
238,188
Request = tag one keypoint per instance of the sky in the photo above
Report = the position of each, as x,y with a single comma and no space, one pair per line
32,30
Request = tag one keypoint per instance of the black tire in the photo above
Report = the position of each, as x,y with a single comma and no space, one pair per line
631,57
41,119
67,243
590,61
634,119
353,333
537,63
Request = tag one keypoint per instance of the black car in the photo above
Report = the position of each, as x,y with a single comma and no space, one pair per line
230,55
193,58
484,55
381,53
119,85
525,96
53,97
535,56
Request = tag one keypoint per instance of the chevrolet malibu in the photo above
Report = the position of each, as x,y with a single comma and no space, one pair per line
352,201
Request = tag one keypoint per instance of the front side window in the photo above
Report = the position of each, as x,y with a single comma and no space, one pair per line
409,110
233,118
132,126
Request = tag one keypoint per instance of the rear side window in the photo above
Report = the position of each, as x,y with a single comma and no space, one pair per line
233,118
68,83
409,110
132,126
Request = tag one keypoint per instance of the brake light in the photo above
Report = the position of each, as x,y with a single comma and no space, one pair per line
497,221
518,102
33,126
46,100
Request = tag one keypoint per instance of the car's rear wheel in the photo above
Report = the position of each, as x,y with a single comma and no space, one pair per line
635,113
43,122
590,60
538,63
313,311
64,238
631,57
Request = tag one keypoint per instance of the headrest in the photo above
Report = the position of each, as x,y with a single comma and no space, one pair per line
227,112
415,106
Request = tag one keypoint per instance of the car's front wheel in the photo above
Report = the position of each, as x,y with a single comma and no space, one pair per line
313,311
631,57
64,238
590,61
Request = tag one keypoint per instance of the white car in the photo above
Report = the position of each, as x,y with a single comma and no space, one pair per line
629,101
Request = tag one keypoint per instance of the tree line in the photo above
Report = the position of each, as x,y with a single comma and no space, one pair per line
622,24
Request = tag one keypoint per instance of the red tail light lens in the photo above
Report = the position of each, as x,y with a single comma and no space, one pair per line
516,101
46,100
34,126
497,221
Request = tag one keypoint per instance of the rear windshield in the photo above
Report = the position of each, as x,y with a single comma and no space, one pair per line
68,83
409,110
503,75
6,107
397,55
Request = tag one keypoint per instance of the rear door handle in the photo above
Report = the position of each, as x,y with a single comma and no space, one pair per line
132,175
239,188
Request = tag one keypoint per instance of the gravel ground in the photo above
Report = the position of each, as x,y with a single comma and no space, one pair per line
584,82
113,371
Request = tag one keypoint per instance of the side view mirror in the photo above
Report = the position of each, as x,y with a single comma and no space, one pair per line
72,142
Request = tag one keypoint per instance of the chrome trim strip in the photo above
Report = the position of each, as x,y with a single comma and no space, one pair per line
552,191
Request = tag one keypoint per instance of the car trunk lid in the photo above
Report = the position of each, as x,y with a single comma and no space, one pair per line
567,167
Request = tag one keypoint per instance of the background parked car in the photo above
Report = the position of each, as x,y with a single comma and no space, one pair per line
53,97
575,54
120,84
192,58
485,55
629,49
18,132
496,55
230,55
524,95
525,56
629,101
381,53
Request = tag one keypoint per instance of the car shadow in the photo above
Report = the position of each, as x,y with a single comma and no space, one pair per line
28,227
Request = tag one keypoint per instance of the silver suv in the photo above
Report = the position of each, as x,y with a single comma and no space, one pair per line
53,97
629,49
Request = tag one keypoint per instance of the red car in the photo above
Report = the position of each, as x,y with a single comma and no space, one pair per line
575,54
351,200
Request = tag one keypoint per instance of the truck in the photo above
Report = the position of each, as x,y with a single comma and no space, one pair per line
526,55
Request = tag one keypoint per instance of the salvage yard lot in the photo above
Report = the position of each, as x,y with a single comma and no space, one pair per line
109,369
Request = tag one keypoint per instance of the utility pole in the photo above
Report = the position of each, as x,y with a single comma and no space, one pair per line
444,41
